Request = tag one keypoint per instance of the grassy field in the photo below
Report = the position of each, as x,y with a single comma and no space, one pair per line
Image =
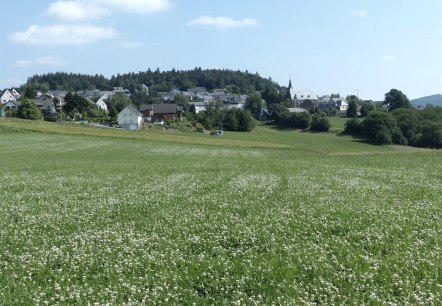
91,215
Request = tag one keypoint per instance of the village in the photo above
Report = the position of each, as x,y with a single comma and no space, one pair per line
132,117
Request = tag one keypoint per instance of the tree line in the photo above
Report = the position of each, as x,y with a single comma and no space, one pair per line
237,82
399,123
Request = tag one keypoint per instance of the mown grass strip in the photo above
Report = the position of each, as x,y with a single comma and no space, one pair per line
74,129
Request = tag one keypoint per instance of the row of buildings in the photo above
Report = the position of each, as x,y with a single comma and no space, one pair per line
199,97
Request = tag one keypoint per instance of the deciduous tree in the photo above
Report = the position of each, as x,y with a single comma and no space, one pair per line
254,104
28,110
396,99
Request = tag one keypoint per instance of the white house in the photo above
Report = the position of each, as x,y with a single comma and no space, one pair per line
145,88
7,96
199,106
130,118
101,103
15,93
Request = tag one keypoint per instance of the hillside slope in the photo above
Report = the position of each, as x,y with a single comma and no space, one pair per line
435,100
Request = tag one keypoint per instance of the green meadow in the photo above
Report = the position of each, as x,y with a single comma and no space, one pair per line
103,216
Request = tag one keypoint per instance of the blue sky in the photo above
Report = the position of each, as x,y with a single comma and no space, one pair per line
344,46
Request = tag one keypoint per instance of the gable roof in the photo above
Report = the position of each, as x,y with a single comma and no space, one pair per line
42,100
6,93
165,108
131,108
15,102
302,95
199,103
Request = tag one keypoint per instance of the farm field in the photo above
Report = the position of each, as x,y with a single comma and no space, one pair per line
91,215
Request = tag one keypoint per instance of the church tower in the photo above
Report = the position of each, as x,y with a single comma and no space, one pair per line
289,88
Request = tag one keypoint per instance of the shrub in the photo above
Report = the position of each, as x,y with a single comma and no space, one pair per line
380,127
28,110
353,127
300,120
319,123
431,135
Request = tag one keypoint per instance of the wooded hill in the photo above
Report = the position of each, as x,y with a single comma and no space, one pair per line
235,81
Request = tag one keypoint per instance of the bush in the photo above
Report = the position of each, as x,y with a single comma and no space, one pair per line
380,127
11,113
199,128
230,120
431,135
408,122
300,120
28,110
353,127
319,123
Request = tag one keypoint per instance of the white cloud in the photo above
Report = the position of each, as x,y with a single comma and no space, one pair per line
223,22
75,10
129,44
95,9
389,58
63,34
359,13
49,60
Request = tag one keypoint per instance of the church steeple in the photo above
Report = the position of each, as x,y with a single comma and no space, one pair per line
288,95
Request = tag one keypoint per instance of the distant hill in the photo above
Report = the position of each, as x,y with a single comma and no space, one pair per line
436,100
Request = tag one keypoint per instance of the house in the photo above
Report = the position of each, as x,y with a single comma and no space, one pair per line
7,96
15,93
90,94
45,103
58,96
342,105
339,104
233,101
195,90
218,96
199,106
40,101
101,103
188,95
130,118
208,98
10,105
160,112
166,96
145,88
126,92
48,107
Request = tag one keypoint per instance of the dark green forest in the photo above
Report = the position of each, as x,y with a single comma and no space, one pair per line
237,82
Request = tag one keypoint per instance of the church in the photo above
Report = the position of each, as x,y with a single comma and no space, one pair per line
302,98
